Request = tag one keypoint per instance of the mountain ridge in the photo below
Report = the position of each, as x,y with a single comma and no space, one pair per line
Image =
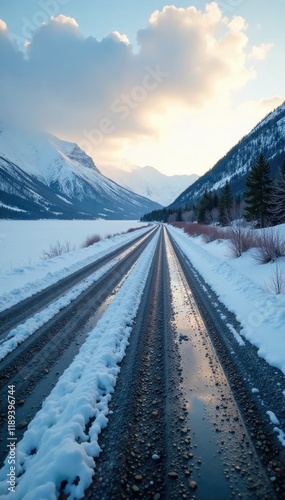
42,176
268,137
149,182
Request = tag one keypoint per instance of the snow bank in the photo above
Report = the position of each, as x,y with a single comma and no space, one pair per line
22,241
25,330
20,283
261,314
62,440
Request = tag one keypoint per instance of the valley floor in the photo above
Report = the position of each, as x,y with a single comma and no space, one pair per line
152,359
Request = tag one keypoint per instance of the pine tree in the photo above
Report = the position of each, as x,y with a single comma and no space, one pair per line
179,215
225,205
258,193
278,196
203,207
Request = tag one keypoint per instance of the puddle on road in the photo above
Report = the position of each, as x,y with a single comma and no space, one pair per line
224,463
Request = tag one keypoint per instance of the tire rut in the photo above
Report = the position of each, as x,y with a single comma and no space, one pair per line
32,361
244,370
147,437
17,314
148,448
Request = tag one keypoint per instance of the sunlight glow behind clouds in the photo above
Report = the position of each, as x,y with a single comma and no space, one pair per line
113,100
3,25
64,20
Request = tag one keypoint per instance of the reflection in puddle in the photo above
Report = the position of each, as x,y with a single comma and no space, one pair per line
219,442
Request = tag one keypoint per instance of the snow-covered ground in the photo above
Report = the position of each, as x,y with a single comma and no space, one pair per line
22,242
241,284
58,444
22,282
63,447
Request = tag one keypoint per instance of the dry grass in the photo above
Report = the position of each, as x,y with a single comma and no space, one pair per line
57,249
209,233
90,240
240,240
276,283
271,246
132,229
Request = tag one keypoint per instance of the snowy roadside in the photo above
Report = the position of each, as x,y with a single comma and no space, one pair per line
62,440
238,284
20,283
26,329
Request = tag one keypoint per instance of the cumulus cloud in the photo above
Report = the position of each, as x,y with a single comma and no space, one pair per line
261,107
259,52
61,19
104,92
3,25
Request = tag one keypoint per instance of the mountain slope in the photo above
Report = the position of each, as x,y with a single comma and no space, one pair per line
267,137
149,182
42,176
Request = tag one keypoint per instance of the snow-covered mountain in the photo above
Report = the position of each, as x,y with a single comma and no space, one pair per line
149,182
268,137
42,176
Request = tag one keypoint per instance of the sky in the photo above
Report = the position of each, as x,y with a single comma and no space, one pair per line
173,86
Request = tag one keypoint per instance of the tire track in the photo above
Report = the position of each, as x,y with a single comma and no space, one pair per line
244,369
17,314
30,366
147,438
155,446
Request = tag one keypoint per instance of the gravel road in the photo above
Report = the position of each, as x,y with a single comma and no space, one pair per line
183,422
35,365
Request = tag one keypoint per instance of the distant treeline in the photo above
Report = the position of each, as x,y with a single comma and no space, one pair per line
262,203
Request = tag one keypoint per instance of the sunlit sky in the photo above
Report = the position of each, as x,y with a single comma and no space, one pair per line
172,85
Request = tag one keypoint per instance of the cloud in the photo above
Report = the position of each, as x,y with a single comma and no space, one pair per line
106,94
259,52
3,26
258,109
61,19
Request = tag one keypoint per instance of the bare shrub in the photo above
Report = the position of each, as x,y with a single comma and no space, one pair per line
188,228
271,246
90,240
212,233
189,216
172,217
240,240
209,233
132,229
276,283
57,249
212,216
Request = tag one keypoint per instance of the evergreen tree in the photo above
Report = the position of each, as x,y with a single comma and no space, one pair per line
225,205
258,193
203,207
278,196
179,215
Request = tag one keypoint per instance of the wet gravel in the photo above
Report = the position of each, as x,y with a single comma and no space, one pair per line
26,308
156,446
245,371
35,365
183,421
146,440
